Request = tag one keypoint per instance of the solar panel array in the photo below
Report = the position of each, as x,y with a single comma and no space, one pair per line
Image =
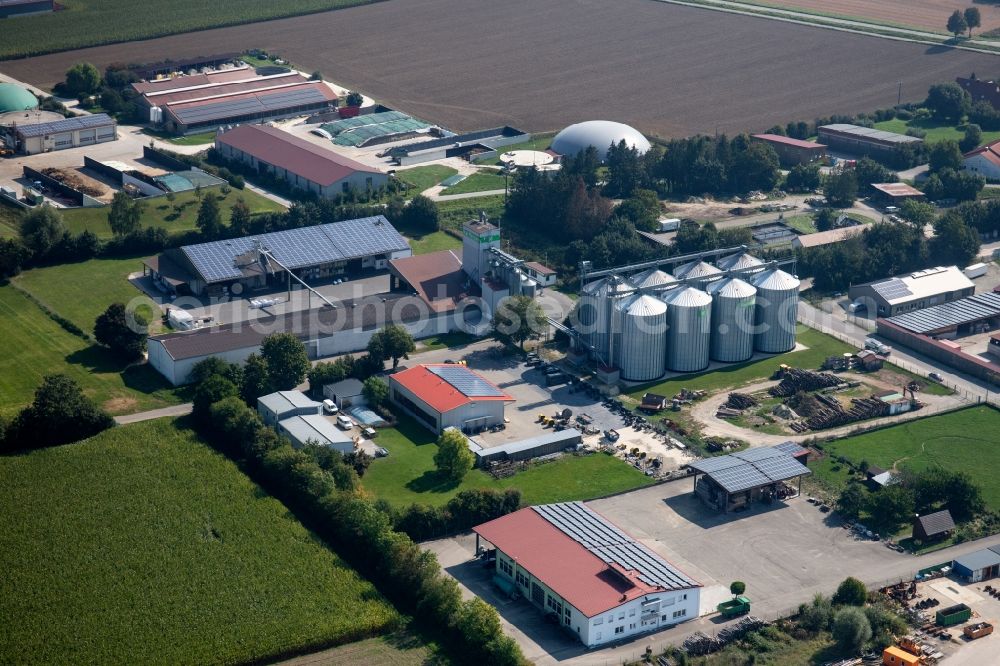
299,248
752,468
612,546
791,448
67,125
956,313
891,289
258,104
466,382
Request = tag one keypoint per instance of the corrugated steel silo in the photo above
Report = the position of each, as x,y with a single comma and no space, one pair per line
733,314
596,311
776,311
697,269
652,279
740,260
641,334
689,314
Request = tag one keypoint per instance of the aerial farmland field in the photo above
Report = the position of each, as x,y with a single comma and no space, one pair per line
669,70
930,15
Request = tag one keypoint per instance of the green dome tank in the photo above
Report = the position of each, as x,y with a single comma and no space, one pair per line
16,98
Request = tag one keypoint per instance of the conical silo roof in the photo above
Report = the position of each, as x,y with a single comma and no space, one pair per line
687,297
731,288
776,280
652,277
642,305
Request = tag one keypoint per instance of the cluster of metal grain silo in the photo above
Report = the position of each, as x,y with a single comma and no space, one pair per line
649,324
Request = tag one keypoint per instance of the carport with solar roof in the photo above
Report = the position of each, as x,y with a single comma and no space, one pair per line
733,482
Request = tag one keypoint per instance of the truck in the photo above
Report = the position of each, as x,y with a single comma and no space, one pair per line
669,224
874,345
734,607
978,630
975,270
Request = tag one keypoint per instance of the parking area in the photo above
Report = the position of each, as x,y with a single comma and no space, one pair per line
951,642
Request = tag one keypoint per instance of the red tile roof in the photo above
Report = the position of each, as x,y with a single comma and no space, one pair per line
291,153
541,269
897,189
201,79
990,152
789,141
436,392
572,571
437,277
224,89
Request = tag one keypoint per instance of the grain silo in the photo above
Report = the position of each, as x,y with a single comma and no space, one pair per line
652,279
776,310
641,337
733,314
697,269
595,310
739,261
689,313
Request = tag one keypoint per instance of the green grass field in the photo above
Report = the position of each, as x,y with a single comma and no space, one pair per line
935,130
820,346
186,140
483,180
35,346
454,214
962,441
143,545
408,474
81,291
10,219
434,242
160,212
423,177
92,22
397,649
538,142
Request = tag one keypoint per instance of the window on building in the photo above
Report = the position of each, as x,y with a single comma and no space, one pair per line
664,618
521,579
598,636
619,630
631,612
631,626
505,566
598,621
621,616
680,613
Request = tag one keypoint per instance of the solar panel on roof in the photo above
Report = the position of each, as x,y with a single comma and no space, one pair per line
956,313
712,464
751,455
466,382
67,125
270,102
737,479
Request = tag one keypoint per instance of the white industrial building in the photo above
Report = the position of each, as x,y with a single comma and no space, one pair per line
913,291
601,585
448,396
316,429
281,405
64,134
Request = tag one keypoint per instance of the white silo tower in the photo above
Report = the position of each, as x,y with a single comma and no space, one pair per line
776,310
689,313
641,334
733,302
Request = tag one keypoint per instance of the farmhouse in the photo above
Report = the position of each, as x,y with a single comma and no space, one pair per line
444,396
979,90
317,429
734,481
350,247
915,291
281,405
793,151
598,583
984,161
302,164
937,525
858,140
458,145
64,134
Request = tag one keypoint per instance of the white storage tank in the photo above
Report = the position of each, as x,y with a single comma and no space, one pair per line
776,311
738,261
595,309
653,279
697,269
733,314
641,337
689,313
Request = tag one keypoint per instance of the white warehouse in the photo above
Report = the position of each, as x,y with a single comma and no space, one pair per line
448,396
601,584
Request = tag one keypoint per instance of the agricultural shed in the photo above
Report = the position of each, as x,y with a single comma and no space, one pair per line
457,145
734,481
281,405
447,395
64,134
793,151
913,291
896,193
346,393
859,140
979,565
935,525
315,428
526,449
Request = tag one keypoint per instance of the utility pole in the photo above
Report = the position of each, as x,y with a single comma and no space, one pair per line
899,93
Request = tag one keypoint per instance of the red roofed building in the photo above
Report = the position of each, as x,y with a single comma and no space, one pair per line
303,164
448,395
793,151
984,161
601,584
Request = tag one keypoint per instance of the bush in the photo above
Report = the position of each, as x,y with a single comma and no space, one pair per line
60,413
851,592
817,615
851,630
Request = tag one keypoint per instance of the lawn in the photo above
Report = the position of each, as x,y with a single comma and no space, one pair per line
434,242
397,649
453,214
423,177
174,216
35,346
408,474
143,545
186,140
962,441
10,219
446,341
81,291
483,180
935,131
820,346
539,142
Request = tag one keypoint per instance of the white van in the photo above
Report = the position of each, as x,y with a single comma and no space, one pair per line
330,407
344,422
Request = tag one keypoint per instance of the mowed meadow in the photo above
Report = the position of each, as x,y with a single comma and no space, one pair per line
143,545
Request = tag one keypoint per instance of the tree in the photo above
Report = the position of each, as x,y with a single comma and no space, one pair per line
209,220
972,19
13,255
376,391
82,79
287,361
519,318
210,391
954,241
841,188
852,501
256,379
944,155
121,331
41,229
625,173
755,167
890,507
851,592
825,219
947,100
60,413
803,178
239,218
420,215
124,214
642,209
817,615
737,587
917,213
973,137
453,457
851,630
392,342
354,98
957,23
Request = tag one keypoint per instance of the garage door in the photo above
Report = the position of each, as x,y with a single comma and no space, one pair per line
63,140
87,136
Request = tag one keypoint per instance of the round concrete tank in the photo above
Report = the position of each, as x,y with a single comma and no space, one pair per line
776,310
653,279
641,333
733,314
697,269
739,261
595,311
689,313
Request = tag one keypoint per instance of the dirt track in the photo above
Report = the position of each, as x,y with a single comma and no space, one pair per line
925,14
669,70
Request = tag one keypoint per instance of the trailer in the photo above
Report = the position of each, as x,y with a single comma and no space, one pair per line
975,270
952,615
734,607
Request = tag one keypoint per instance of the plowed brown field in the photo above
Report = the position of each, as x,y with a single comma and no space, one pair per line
923,14
669,70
